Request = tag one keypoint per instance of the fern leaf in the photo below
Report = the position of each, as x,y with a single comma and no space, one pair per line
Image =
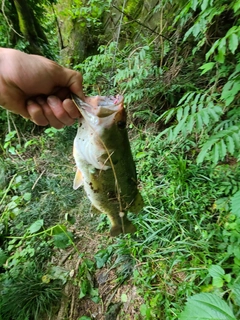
230,144
179,127
206,147
167,115
236,139
186,111
191,123
222,149
199,121
235,204
187,97
215,153
179,113
213,112
205,117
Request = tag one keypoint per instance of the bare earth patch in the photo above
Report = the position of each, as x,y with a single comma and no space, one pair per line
111,306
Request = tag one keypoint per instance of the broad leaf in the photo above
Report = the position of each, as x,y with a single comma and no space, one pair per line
36,226
206,306
216,271
63,240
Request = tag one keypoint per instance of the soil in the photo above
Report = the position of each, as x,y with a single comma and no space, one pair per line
111,306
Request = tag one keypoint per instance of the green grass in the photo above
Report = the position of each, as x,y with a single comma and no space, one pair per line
185,227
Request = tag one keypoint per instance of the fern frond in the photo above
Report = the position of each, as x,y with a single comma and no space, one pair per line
235,204
219,144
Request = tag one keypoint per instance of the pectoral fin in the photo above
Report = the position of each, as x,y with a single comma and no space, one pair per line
78,180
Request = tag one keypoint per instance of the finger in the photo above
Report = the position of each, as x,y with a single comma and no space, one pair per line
71,109
36,113
73,80
58,110
48,112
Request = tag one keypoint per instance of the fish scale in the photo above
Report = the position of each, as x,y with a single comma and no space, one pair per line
105,166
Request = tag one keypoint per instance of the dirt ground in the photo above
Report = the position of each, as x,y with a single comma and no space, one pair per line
111,305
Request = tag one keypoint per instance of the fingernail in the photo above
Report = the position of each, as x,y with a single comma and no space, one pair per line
53,101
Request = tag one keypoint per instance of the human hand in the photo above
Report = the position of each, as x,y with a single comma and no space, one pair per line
38,88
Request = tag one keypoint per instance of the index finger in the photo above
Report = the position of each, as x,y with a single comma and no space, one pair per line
73,80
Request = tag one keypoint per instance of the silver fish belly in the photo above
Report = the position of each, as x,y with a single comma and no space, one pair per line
104,161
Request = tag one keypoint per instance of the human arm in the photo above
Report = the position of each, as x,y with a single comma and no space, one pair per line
38,88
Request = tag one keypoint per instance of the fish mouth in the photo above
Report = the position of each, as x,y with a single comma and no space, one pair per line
98,106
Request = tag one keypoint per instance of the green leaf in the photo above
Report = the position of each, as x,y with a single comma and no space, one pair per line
206,306
204,5
36,226
206,67
233,42
216,271
236,293
235,204
218,282
62,240
85,288
230,144
3,257
215,153
124,297
222,149
101,258
27,196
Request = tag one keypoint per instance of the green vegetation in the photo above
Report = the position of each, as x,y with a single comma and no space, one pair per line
181,88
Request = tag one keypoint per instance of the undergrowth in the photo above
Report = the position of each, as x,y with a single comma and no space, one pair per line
181,91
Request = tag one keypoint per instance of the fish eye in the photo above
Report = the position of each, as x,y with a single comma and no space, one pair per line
121,124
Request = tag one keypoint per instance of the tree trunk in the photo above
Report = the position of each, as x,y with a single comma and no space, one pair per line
30,27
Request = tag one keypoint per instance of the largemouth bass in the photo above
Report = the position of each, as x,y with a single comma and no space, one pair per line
104,161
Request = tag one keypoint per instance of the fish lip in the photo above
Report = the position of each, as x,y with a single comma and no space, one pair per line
100,110
80,104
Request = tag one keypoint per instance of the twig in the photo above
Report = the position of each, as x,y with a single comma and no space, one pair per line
8,188
15,127
59,29
10,26
140,23
38,179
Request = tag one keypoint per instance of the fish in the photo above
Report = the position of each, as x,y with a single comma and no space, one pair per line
104,161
